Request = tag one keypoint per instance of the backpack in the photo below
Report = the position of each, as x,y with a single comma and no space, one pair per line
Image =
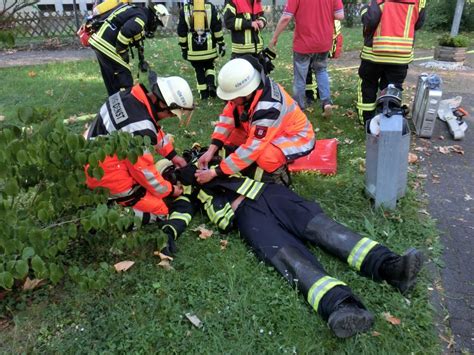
99,15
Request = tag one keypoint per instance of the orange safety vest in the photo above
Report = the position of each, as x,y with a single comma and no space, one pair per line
394,36
274,120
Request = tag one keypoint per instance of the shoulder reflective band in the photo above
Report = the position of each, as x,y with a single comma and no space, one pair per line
359,252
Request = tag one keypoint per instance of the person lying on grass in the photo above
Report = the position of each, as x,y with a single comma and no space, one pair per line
278,225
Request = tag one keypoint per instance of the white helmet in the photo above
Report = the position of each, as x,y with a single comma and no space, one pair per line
163,164
161,13
237,78
177,95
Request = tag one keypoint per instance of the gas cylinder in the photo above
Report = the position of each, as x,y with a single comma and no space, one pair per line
199,16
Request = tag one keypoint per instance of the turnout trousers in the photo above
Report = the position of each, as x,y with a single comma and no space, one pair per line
372,78
115,75
279,225
205,77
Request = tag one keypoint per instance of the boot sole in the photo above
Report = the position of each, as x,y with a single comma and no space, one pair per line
347,323
414,262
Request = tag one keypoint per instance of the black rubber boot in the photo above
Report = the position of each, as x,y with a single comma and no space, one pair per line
402,271
349,319
212,91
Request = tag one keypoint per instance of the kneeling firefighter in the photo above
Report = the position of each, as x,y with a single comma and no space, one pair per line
261,120
125,27
139,185
278,225
201,40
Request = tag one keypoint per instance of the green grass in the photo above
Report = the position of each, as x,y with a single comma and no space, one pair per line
245,305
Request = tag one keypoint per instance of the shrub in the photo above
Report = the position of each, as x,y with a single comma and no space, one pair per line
7,38
45,205
456,41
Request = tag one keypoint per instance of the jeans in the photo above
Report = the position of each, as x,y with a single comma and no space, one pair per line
318,62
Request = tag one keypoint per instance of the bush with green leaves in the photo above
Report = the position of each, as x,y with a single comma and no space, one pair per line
457,41
440,14
45,206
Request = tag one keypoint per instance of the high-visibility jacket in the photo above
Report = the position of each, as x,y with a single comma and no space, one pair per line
238,17
124,27
131,111
200,46
389,30
273,118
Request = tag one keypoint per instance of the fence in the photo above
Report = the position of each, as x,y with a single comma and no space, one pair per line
54,24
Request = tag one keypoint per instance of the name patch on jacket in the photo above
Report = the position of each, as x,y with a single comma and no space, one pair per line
260,132
275,91
116,106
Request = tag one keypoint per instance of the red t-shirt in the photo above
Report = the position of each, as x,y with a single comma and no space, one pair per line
314,24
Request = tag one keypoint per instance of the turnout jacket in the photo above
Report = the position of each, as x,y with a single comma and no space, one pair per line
124,27
200,46
273,117
131,111
389,30
238,17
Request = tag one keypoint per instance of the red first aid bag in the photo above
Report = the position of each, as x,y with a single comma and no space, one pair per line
322,159
84,34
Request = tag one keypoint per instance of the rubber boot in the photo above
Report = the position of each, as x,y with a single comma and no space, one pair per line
348,319
331,236
402,271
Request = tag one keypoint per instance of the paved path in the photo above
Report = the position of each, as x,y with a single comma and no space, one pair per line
449,188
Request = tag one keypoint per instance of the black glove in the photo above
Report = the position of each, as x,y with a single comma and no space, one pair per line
221,49
143,66
170,248
184,54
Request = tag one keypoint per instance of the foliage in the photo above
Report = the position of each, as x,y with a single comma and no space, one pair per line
44,201
351,12
7,37
440,14
456,41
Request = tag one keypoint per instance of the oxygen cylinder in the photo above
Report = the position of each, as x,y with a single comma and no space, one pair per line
387,146
199,16
108,5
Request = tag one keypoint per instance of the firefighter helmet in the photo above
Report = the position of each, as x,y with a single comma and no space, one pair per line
166,168
389,101
237,78
175,92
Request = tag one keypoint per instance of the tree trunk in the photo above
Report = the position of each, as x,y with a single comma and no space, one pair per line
457,18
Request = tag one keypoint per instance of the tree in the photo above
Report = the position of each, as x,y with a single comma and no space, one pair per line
11,7
457,18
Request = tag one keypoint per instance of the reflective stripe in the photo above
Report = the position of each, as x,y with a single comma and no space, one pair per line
121,38
258,174
151,178
406,33
359,252
140,22
225,119
104,47
184,198
245,186
186,217
267,105
126,193
257,186
106,121
320,288
238,24
175,232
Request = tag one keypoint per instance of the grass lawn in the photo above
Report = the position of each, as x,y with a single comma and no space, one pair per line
245,306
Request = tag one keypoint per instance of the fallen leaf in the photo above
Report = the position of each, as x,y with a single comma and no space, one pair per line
165,264
412,158
376,334
224,243
49,92
123,265
458,149
162,256
467,197
450,341
348,141
422,176
424,212
32,284
4,323
204,232
441,138
420,149
32,74
194,320
391,319
349,113
443,150
2,118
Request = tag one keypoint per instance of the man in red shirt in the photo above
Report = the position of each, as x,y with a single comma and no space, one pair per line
312,41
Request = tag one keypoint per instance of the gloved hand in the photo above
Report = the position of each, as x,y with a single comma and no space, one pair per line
143,66
124,55
170,248
184,54
221,49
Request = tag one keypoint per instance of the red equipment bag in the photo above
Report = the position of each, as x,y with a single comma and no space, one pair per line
336,50
84,34
322,159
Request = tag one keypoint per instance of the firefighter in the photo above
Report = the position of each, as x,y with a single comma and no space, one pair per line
138,112
245,20
277,224
124,28
260,120
389,35
201,40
